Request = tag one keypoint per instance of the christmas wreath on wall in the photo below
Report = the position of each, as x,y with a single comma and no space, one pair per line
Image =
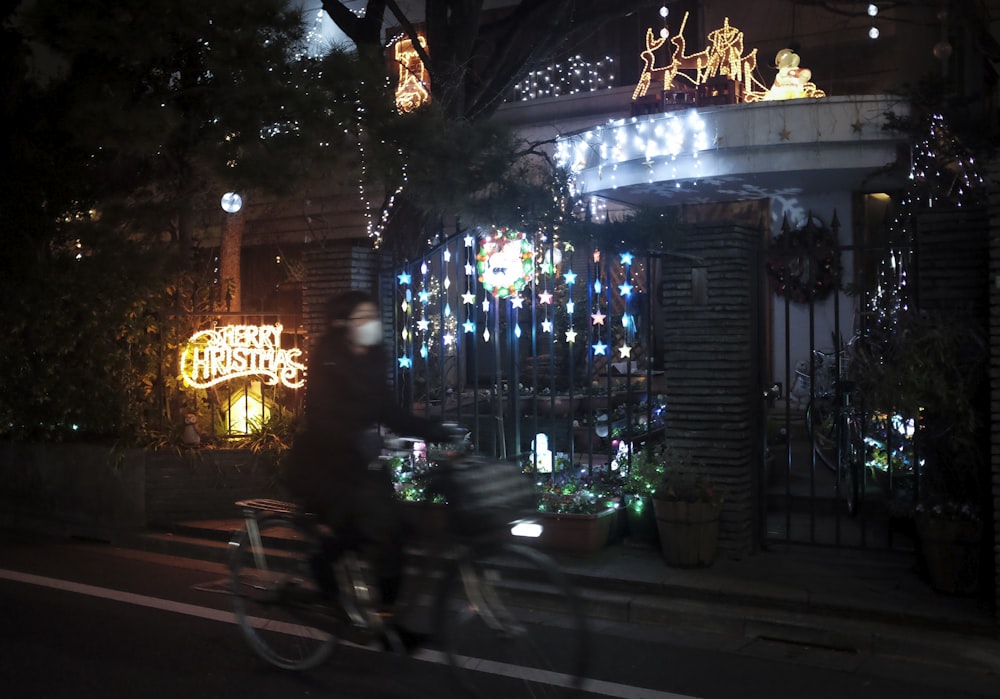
804,264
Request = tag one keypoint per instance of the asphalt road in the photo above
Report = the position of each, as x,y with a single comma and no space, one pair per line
89,620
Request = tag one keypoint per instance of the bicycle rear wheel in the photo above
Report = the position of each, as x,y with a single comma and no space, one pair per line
821,425
852,465
274,596
510,611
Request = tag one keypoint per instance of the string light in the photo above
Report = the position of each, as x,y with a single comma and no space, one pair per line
571,77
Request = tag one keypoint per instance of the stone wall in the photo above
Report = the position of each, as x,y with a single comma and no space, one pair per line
95,491
711,363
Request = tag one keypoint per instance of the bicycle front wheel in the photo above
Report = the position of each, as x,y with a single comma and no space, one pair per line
274,596
510,611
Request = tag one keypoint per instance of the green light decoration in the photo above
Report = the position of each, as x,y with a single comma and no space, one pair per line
505,262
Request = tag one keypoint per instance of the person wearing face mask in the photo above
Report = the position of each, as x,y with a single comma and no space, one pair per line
329,474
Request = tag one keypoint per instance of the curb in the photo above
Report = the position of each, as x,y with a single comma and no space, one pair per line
722,610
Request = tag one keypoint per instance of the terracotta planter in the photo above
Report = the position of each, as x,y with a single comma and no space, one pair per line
689,532
575,533
951,553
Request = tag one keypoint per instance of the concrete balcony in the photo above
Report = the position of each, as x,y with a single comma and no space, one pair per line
740,151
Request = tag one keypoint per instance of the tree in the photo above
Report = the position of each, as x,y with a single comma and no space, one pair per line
129,120
456,158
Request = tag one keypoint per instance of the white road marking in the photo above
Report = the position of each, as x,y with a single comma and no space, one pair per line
608,689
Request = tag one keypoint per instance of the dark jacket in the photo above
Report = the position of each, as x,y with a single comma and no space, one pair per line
347,396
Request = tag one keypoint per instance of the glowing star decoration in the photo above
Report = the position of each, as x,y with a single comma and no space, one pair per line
624,352
570,306
506,262
517,301
469,270
545,297
468,298
600,348
546,326
468,240
791,82
469,327
570,278
486,305
405,362
598,318
213,356
423,324
424,296
412,84
571,336
448,339
627,258
625,289
404,278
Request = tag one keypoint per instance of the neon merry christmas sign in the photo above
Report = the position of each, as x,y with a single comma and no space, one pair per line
221,354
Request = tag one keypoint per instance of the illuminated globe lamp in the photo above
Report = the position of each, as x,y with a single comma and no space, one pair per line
505,262
231,202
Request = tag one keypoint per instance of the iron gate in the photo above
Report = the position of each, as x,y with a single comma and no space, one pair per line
837,471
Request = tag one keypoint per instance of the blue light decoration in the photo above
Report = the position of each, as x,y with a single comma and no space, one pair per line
570,277
405,279
600,348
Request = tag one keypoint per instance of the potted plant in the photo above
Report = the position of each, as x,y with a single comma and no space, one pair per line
641,471
687,507
929,370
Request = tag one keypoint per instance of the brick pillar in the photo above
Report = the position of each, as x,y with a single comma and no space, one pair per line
337,266
710,318
993,180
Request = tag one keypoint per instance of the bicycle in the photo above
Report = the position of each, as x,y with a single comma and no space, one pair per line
835,425
488,596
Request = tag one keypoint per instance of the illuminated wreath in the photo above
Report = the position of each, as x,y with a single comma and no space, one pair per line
804,264
505,262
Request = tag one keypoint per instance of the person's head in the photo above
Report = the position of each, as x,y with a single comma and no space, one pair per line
354,314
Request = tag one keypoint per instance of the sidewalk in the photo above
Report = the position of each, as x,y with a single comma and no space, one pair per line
857,602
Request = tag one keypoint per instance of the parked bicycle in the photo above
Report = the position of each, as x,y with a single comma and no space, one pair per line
488,598
835,424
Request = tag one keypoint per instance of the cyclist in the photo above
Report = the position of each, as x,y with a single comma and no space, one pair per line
333,469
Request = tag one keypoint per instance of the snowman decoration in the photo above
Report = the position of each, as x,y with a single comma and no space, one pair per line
191,437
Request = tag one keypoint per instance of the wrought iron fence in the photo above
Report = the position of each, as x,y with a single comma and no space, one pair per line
545,352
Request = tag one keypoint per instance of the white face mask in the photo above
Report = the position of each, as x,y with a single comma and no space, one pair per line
367,334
